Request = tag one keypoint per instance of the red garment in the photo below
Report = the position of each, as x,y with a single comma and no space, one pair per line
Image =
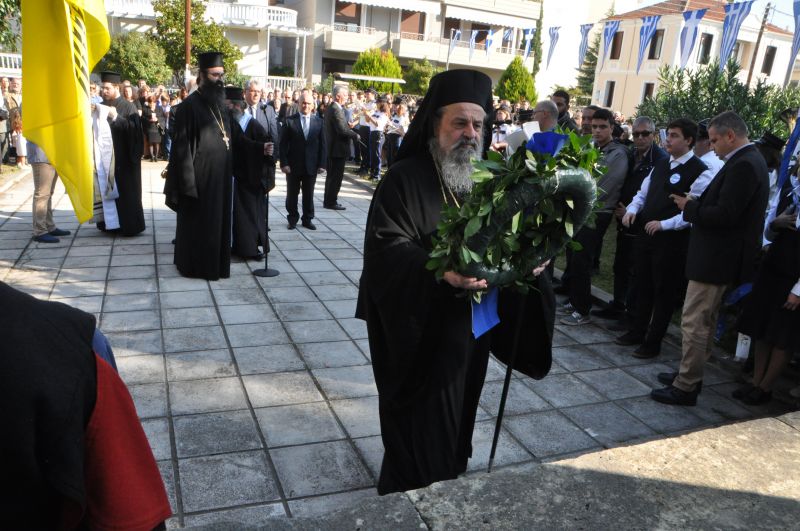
124,489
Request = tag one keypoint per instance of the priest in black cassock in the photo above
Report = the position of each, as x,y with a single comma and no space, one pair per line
429,368
126,135
254,177
199,184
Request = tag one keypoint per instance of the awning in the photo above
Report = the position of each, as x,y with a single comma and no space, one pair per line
492,19
425,6
352,77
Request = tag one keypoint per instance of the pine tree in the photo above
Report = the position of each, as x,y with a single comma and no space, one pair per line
587,69
516,83
536,45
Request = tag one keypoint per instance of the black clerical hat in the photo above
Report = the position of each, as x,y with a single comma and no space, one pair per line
771,141
702,129
110,77
234,93
208,60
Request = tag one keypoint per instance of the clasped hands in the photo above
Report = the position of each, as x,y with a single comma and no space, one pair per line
459,281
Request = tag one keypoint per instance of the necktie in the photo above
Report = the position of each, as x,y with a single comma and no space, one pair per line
253,111
305,126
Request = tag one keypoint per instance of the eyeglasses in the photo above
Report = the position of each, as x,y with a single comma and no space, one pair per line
642,134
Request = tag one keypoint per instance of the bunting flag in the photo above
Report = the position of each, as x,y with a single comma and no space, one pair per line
691,21
795,42
553,42
609,31
649,27
489,41
585,29
529,33
734,17
472,38
508,34
63,40
455,36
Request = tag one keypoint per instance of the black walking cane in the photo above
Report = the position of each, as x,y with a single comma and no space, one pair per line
266,272
507,382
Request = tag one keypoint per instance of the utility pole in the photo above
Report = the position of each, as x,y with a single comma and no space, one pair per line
187,31
758,43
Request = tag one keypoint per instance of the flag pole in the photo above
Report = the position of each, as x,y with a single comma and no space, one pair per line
187,48
449,48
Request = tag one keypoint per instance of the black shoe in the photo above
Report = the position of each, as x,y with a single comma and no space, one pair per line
674,396
46,238
667,378
743,391
336,206
59,232
609,313
309,225
291,226
629,339
645,352
757,397
256,257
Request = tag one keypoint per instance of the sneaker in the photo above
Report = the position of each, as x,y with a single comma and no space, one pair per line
566,308
59,232
575,319
46,238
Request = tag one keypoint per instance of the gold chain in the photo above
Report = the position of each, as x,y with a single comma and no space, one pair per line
442,185
220,124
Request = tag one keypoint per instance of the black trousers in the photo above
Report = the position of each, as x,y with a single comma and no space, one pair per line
375,147
625,271
580,263
363,147
333,182
393,144
294,184
660,276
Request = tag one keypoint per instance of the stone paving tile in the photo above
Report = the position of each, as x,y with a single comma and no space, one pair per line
150,400
256,334
267,359
200,365
254,516
215,433
315,331
135,343
86,261
319,469
578,358
346,382
141,369
715,408
201,338
614,383
87,304
549,433
335,292
305,266
157,431
130,321
126,303
123,272
247,314
618,355
281,389
648,374
122,287
290,294
319,505
213,482
298,424
371,451
188,317
341,309
661,417
133,260
202,396
168,476
564,390
301,311
79,289
186,299
355,328
520,398
331,354
608,423
181,283
508,452
235,297
359,416
588,333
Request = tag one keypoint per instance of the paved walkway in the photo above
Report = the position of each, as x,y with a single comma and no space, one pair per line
257,394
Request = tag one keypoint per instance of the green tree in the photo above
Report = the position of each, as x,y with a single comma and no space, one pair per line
325,86
516,83
136,55
536,45
417,76
706,92
169,34
375,62
587,69
10,24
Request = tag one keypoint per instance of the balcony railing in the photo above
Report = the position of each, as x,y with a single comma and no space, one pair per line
10,61
257,16
283,83
354,28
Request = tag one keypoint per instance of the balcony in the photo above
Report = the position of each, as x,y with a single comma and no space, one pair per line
232,15
10,64
353,38
417,46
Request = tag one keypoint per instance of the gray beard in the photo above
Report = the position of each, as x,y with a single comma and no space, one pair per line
237,113
455,164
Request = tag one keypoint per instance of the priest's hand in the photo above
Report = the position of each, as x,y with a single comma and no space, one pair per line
286,169
112,113
652,227
539,270
620,211
269,149
628,219
792,301
461,282
680,200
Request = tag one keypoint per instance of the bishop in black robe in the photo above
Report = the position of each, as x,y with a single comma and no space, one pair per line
428,366
126,134
199,185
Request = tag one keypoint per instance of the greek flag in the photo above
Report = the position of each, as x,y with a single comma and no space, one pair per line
585,29
734,17
691,20
649,26
454,38
472,38
508,34
529,33
489,42
609,31
795,42
553,42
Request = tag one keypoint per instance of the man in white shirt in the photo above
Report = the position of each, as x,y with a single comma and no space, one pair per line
365,109
663,238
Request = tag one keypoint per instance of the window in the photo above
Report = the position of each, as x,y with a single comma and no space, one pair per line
451,25
609,93
412,22
737,47
347,13
482,29
769,59
616,45
655,45
704,53
649,89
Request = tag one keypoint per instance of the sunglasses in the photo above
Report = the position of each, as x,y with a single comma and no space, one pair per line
641,134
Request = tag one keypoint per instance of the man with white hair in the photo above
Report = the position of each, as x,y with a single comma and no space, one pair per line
546,113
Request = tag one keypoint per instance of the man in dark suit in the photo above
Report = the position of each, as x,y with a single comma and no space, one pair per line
338,135
727,221
266,116
303,156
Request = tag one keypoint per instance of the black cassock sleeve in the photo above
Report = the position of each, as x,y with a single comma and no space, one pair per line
180,168
249,162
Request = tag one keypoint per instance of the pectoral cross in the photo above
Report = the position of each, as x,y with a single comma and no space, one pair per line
227,142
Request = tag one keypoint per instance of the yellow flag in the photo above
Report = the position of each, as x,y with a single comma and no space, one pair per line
62,40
